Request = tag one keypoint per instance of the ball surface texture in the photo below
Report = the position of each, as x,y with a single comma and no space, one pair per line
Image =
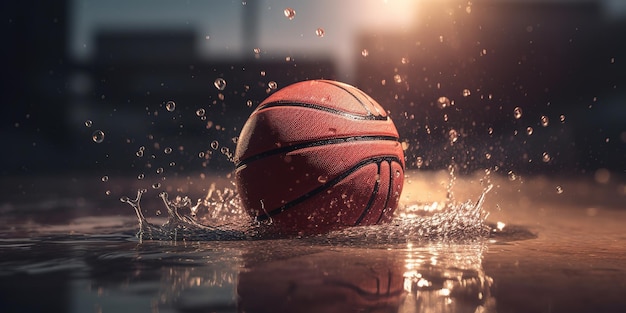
318,156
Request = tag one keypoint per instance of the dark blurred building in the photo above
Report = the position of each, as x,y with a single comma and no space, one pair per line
549,58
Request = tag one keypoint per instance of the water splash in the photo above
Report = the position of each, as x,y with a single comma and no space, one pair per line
178,227
450,221
220,216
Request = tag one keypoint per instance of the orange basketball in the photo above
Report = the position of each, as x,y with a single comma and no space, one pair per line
318,156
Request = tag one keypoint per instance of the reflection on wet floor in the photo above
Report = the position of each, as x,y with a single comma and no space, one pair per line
544,251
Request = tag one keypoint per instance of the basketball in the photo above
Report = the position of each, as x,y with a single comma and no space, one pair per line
318,156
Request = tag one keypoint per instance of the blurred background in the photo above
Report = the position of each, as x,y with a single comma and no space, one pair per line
521,87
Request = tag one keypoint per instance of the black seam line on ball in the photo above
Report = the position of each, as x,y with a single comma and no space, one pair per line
350,92
370,202
389,190
309,144
284,103
326,185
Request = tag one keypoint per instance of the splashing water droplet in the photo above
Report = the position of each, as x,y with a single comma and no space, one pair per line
562,118
490,131
453,136
215,144
320,32
249,103
219,83
529,130
512,176
200,112
97,136
365,53
397,78
289,13
488,156
170,106
159,170
105,178
559,189
256,50
546,157
419,162
272,84
167,150
517,113
88,123
140,176
544,121
443,102
322,179
201,154
156,185
466,93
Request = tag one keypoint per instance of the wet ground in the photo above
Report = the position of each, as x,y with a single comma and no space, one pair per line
556,245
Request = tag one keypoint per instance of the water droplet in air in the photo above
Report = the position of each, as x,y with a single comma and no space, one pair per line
262,73
256,50
512,176
105,178
466,93
529,130
97,136
200,112
167,150
453,136
546,157
490,131
272,84
562,118
219,83
224,150
365,53
201,154
419,162
159,170
488,156
88,123
170,106
320,32
249,103
156,185
215,144
140,176
289,13
397,78
108,192
322,179
559,189
544,121
443,102
517,113
158,212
